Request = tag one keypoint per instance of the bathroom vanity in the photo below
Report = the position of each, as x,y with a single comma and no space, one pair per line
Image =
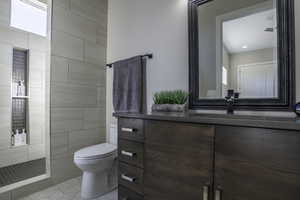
205,157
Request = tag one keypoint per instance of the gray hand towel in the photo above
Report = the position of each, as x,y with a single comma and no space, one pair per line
128,85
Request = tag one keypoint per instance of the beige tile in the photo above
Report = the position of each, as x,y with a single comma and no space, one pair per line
36,96
85,73
102,35
37,126
59,69
63,168
66,119
36,151
61,4
66,125
14,37
6,52
5,11
101,96
5,128
65,45
59,144
5,64
93,9
5,93
5,75
19,193
13,156
58,114
5,196
94,118
74,24
37,68
68,95
84,138
38,43
94,53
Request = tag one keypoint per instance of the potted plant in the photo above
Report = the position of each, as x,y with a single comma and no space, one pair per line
170,101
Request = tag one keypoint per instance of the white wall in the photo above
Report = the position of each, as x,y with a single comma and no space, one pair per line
150,26
160,27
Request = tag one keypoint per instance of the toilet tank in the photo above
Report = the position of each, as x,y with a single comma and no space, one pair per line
113,134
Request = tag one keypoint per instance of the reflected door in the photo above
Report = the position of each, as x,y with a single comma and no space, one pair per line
257,80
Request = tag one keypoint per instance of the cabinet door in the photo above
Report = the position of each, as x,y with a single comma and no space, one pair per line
178,161
260,164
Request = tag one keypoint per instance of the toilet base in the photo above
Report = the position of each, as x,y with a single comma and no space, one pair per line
95,185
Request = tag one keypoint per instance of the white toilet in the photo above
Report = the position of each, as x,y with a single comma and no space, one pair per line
99,166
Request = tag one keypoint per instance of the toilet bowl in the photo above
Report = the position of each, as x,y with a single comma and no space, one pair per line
98,163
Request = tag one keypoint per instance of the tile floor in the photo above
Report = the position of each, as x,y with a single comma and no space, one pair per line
69,190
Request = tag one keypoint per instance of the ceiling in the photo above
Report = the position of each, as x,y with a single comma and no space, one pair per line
248,33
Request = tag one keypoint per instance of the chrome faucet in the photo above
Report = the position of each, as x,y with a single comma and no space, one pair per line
231,98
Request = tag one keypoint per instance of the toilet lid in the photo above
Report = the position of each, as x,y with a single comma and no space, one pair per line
96,151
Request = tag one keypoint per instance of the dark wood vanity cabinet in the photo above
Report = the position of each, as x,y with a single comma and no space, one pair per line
260,164
179,160
176,160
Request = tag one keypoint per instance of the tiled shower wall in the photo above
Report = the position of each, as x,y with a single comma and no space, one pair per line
77,86
78,80
38,53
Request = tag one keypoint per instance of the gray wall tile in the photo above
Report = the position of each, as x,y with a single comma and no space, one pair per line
66,45
93,10
59,144
61,4
74,24
67,95
5,196
86,73
94,53
59,69
84,138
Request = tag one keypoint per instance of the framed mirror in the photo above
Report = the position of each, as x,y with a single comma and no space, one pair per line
242,46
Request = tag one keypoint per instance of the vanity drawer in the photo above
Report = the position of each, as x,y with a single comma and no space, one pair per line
125,194
131,177
131,152
131,129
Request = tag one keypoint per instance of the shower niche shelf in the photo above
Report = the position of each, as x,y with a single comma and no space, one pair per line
20,99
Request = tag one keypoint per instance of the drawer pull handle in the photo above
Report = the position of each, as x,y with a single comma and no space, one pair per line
205,192
126,153
129,130
125,198
127,178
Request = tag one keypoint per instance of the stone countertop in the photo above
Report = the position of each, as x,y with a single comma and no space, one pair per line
285,123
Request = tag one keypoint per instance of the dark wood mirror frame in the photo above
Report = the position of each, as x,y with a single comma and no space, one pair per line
286,64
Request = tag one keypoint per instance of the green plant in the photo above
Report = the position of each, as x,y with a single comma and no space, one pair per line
170,97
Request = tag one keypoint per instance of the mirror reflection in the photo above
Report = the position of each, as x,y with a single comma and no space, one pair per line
24,91
238,49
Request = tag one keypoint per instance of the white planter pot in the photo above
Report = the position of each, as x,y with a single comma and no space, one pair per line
169,107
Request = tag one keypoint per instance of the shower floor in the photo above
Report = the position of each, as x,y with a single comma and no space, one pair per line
19,172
